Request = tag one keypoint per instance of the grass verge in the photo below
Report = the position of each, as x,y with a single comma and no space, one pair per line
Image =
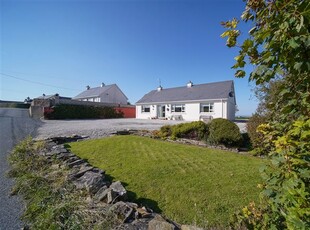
188,184
51,201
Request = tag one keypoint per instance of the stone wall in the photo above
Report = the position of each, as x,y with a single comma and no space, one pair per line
112,194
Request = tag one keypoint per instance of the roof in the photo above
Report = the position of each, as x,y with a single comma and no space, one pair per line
94,92
215,90
51,96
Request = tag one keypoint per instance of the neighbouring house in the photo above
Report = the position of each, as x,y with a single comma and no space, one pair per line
189,103
104,94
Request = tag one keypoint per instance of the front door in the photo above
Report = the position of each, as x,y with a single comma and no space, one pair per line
161,111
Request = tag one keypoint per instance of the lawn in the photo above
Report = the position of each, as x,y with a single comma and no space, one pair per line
188,184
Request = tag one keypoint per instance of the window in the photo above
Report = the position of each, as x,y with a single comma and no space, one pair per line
146,108
97,99
178,108
207,107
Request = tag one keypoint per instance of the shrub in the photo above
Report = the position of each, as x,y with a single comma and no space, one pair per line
82,112
222,131
256,137
165,131
194,130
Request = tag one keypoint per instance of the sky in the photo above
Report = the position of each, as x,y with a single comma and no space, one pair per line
61,46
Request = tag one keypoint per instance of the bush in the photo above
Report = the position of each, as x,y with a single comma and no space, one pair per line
222,131
195,130
81,112
255,136
165,131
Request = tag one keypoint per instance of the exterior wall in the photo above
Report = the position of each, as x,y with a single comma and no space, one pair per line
129,112
222,109
146,115
36,111
231,107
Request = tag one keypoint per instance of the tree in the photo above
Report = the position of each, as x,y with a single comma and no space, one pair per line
279,47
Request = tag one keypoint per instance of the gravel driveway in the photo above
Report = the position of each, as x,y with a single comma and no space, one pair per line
99,128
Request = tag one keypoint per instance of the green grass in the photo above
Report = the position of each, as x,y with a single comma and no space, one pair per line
188,184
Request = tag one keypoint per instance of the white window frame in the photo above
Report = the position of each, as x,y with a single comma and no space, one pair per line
178,106
143,107
209,107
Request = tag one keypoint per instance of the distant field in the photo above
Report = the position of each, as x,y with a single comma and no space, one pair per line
188,184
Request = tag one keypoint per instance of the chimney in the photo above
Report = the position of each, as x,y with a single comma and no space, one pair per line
88,87
159,88
190,84
102,84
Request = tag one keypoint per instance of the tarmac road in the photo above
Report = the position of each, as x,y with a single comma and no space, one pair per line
15,125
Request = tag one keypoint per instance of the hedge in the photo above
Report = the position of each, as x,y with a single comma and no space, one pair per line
81,112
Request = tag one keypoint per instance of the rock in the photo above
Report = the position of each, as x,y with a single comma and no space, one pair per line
155,224
96,170
65,156
141,224
102,194
123,211
77,162
79,173
188,227
91,181
111,196
123,132
119,189
70,160
143,212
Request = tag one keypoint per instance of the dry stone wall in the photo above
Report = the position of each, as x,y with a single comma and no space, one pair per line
101,190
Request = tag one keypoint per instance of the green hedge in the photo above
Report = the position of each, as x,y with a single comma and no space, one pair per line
81,112
14,105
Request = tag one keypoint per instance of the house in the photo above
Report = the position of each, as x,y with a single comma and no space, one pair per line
104,93
189,103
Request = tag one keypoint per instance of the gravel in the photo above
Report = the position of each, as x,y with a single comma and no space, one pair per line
100,128
97,128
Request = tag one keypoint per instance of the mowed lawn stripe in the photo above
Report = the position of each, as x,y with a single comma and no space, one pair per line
189,184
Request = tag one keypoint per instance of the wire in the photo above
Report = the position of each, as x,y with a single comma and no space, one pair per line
36,82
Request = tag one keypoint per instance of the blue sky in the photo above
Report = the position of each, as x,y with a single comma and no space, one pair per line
61,46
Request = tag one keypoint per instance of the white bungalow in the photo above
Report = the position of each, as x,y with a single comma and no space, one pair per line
189,103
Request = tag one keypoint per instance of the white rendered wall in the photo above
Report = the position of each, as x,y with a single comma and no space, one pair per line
146,115
231,107
222,109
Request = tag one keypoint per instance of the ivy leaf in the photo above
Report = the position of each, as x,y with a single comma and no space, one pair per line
293,43
298,65
240,73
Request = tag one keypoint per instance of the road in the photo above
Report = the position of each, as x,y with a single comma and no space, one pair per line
15,125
